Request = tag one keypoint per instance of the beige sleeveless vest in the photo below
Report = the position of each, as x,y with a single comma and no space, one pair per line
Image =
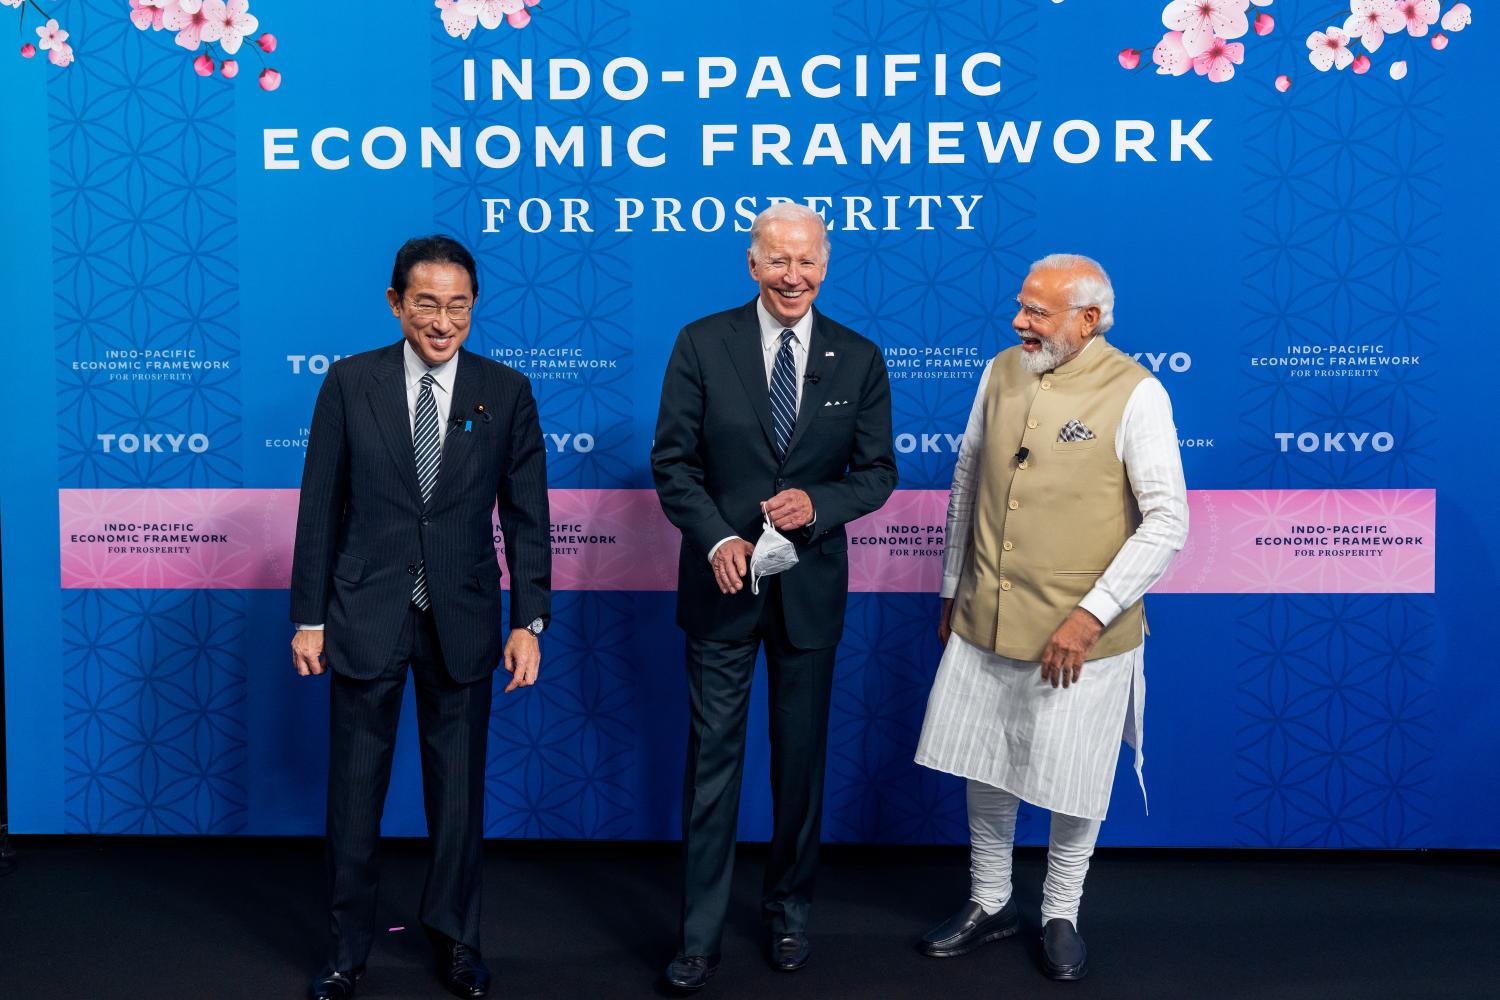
1044,529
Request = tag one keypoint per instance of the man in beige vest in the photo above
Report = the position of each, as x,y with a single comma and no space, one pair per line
1067,505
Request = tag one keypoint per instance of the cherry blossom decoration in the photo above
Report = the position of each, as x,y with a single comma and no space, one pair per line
461,17
195,24
1201,35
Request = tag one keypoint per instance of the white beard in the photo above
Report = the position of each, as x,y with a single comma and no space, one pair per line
1049,356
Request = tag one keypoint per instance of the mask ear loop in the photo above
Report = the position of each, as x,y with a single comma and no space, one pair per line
755,577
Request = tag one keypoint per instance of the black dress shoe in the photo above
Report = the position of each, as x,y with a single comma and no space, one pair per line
333,985
462,970
690,973
789,951
1063,954
968,929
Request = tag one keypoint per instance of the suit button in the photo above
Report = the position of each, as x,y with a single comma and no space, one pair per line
1014,505
1008,545
1004,584
780,485
426,520
412,569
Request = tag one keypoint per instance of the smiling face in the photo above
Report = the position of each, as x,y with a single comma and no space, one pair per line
435,311
1052,331
788,263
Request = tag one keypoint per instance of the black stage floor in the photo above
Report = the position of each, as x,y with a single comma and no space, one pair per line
129,918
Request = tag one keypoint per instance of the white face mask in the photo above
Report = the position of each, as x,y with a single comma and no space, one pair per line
773,554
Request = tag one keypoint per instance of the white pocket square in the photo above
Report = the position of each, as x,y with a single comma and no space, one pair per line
837,402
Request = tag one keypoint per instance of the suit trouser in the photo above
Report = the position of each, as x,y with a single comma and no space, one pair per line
453,723
801,682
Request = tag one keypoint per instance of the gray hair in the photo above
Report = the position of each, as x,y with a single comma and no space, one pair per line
1089,287
786,211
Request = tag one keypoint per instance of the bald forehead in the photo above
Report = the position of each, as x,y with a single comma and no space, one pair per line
788,233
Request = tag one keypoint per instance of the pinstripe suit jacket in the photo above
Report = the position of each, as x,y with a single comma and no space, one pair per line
362,528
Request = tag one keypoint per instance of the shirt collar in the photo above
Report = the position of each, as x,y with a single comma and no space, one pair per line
770,327
415,368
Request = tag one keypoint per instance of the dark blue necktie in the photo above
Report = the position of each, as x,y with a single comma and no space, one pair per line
425,442
784,393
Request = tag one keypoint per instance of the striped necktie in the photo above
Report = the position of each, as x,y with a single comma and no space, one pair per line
426,443
784,393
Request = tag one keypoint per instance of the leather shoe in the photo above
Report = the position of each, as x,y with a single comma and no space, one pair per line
332,984
968,929
690,973
462,970
1063,954
789,951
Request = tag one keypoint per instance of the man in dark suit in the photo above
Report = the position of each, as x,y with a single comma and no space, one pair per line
768,411
412,447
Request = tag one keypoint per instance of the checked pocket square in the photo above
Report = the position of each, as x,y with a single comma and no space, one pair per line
1074,431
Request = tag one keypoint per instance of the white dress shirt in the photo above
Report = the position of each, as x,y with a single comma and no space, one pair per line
442,394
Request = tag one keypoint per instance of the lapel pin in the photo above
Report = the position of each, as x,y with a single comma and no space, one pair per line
483,413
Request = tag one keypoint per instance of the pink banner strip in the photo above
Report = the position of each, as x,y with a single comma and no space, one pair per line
1240,542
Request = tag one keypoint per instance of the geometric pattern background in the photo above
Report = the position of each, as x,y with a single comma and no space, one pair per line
144,259
1343,225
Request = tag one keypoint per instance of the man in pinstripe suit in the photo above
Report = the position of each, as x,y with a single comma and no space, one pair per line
412,447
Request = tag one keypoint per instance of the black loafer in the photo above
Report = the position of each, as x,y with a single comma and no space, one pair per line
968,929
789,952
462,970
332,984
1063,955
690,973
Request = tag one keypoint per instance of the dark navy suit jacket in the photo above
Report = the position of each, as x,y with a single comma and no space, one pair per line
362,528
715,460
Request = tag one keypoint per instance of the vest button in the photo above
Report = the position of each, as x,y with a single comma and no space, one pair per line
1046,384
1023,464
1031,423
1004,584
1008,545
1014,505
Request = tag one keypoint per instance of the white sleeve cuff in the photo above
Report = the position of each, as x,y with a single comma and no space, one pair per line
950,586
718,545
309,628
1099,604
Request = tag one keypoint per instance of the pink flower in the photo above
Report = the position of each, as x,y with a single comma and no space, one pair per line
1361,63
1264,23
50,34
267,43
1398,70
1170,56
145,14
1417,15
1371,20
194,21
457,21
1130,58
1329,48
1458,17
1283,83
519,19
1439,41
269,79
230,69
235,22
204,64
1219,61
490,12
14,3
61,54
28,50
1201,21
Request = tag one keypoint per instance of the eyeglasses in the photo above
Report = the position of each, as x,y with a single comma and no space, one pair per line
1039,315
457,312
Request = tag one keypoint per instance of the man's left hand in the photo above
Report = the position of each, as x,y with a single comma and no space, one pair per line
523,658
789,510
1062,660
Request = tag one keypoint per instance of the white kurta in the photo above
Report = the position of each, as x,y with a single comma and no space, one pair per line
994,719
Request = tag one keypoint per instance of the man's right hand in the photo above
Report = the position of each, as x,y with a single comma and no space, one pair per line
731,563
307,651
945,629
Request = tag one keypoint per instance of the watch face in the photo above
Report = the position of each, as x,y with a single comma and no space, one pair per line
536,626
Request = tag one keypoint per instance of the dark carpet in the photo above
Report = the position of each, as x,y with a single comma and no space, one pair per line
129,918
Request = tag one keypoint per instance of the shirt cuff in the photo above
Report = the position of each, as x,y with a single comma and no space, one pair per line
720,544
950,587
309,628
1099,604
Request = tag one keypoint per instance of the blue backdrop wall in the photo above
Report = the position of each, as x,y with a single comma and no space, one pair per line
151,210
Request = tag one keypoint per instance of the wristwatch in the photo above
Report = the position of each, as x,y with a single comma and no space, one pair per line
536,626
